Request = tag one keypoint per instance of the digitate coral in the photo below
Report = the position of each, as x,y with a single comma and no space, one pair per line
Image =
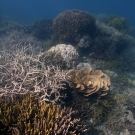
27,115
88,81
70,25
62,55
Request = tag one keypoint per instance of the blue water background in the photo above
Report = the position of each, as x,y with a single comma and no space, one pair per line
27,11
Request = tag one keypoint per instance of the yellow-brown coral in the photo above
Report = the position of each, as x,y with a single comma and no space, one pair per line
27,115
89,81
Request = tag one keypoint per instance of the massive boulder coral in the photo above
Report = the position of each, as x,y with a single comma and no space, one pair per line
88,81
61,55
70,25
108,43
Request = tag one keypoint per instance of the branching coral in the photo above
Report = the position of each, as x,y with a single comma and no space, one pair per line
89,81
27,115
21,72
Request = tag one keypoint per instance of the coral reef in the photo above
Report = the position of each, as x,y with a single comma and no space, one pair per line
19,37
112,46
108,43
21,72
131,31
62,55
111,74
10,26
116,118
94,38
42,29
84,45
108,112
70,25
119,23
126,132
27,115
88,81
85,42
130,93
39,87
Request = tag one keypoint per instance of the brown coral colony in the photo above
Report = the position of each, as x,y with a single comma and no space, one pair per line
89,81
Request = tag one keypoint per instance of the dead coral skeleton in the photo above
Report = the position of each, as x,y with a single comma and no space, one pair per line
22,72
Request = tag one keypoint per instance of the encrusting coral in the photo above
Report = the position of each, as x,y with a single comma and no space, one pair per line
27,115
89,81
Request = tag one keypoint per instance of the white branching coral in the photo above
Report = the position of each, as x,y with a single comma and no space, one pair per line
22,72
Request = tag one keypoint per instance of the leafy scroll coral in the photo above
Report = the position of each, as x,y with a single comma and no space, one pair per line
89,81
